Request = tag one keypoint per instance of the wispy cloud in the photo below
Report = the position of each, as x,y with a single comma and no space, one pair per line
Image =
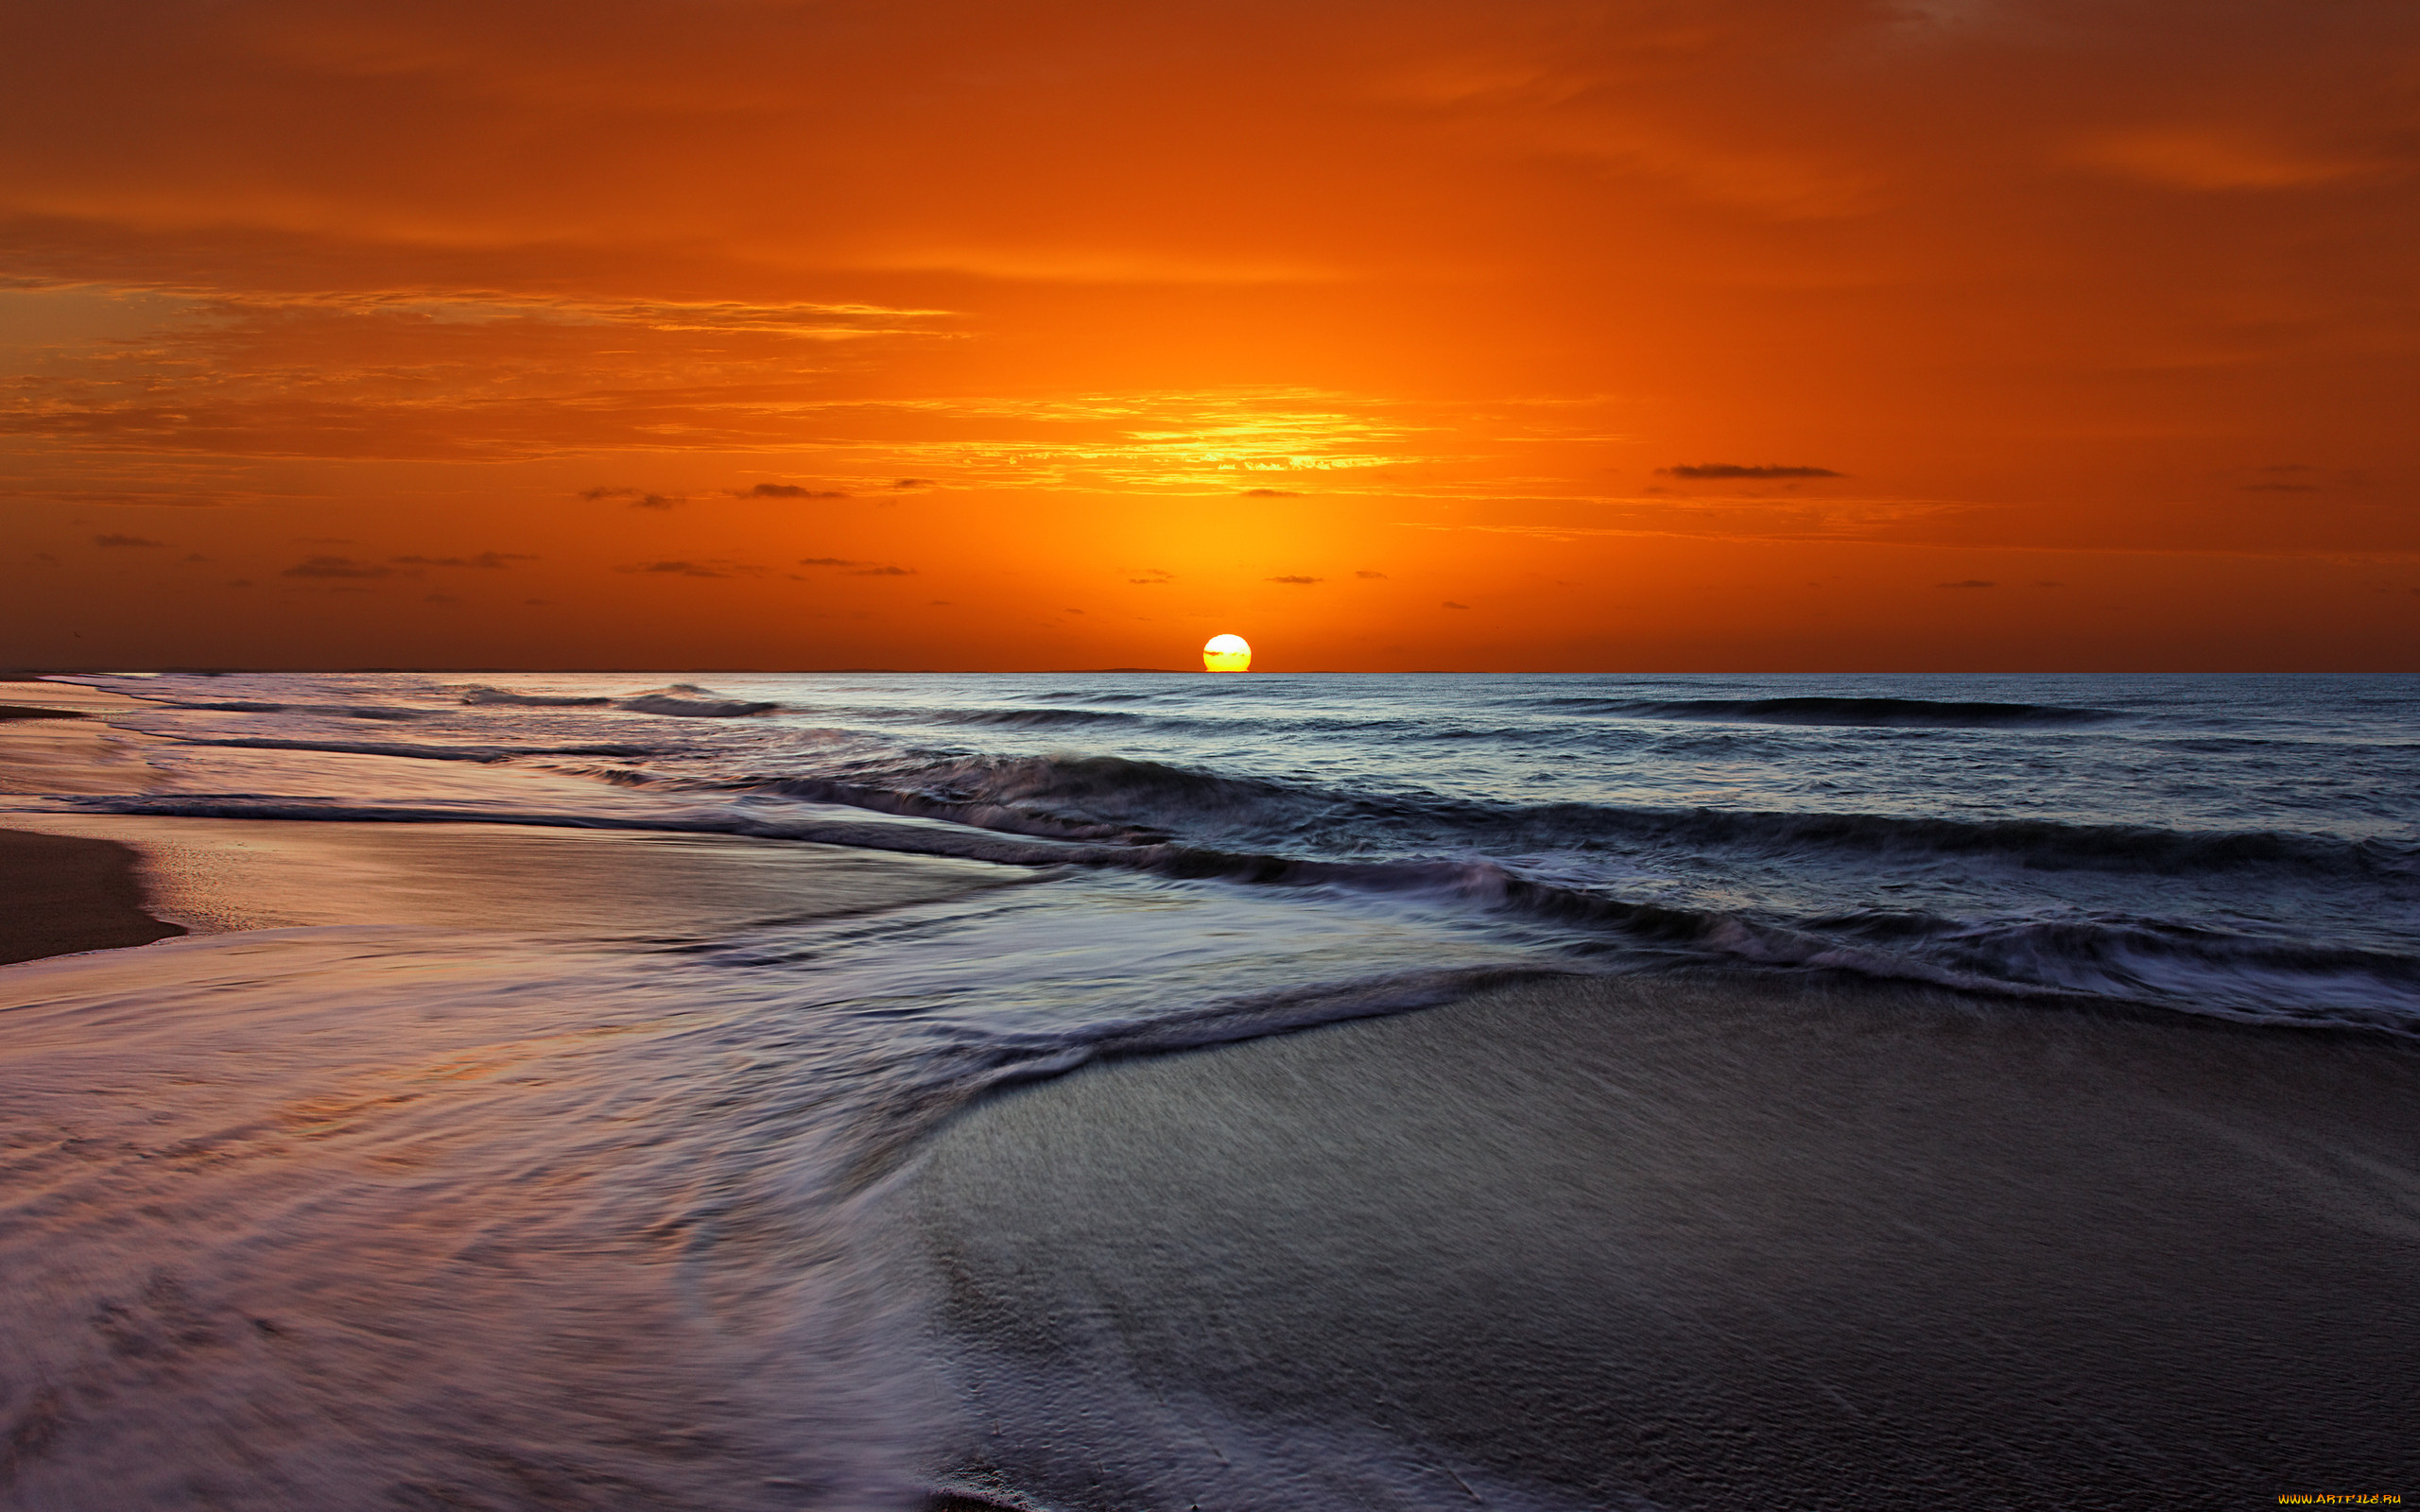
125,541
638,498
694,568
324,566
476,306
1736,470
485,558
859,569
788,490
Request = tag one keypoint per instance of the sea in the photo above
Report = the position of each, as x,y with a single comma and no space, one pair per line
635,1252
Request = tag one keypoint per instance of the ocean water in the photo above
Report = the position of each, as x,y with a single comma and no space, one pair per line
2247,845
311,1213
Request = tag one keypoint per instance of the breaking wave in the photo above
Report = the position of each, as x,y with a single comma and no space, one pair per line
2237,975
1122,800
689,702
481,693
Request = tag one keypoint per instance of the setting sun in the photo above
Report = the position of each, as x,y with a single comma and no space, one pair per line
1226,653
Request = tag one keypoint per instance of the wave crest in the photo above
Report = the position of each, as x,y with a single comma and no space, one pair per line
687,700
479,693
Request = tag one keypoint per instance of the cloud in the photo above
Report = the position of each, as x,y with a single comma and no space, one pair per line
906,484
1271,493
859,569
131,499
2198,158
1736,470
1369,576
789,490
335,567
1299,582
691,569
1153,578
1450,604
640,498
1969,582
485,558
125,541
2282,488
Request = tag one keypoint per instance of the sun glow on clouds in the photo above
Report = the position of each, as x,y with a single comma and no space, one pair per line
1646,324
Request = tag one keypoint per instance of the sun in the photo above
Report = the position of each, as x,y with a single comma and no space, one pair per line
1226,653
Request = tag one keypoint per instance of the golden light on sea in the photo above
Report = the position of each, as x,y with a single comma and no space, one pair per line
1226,653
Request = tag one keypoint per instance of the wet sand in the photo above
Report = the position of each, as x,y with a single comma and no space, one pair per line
213,876
1719,1243
77,882
60,894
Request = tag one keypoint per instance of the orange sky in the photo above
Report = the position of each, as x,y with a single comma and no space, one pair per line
1753,335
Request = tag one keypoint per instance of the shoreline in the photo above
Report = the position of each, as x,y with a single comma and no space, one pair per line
75,882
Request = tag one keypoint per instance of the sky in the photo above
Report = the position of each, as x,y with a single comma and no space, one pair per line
1524,336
